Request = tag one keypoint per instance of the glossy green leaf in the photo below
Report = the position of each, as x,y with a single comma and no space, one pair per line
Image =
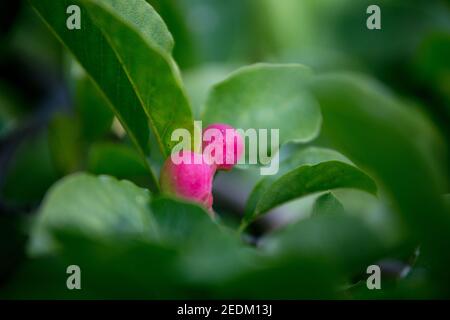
306,172
185,51
141,268
125,48
94,206
310,179
312,156
266,96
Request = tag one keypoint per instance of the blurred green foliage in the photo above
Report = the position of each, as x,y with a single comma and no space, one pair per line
364,130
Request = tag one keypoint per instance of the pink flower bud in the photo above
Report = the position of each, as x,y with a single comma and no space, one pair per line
224,140
188,177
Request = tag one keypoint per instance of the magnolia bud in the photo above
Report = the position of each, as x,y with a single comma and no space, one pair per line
225,139
191,179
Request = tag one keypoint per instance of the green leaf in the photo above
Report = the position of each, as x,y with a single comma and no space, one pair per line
32,158
125,48
327,204
282,277
339,240
185,52
447,200
141,16
433,66
311,258
12,243
267,96
306,172
38,278
200,80
188,254
310,179
92,108
118,160
140,268
65,143
111,267
96,206
178,221
312,156
397,145
11,110
209,252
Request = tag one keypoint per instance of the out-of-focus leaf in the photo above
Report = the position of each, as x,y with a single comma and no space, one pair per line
327,204
65,143
303,30
10,109
433,64
395,144
313,170
199,81
416,286
225,30
94,206
264,96
283,277
125,48
376,212
118,160
184,51
178,221
141,268
338,240
447,199
311,258
210,253
12,244
188,257
113,267
30,173
407,23
42,277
